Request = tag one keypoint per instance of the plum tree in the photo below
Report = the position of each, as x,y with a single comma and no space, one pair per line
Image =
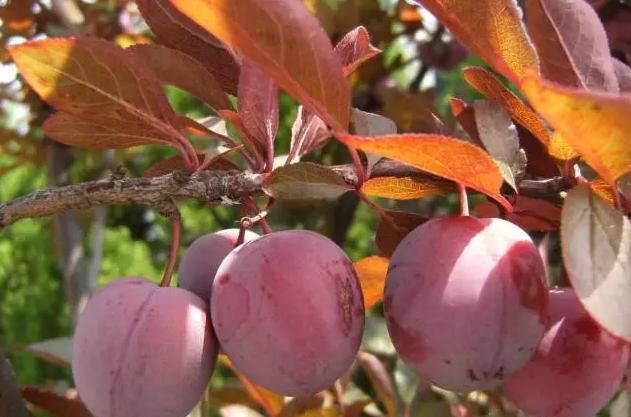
288,311
465,301
202,258
576,369
143,350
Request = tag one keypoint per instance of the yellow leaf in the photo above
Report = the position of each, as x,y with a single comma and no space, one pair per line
596,125
403,188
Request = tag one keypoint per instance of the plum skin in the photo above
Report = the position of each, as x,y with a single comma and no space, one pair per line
465,301
143,350
288,311
202,258
576,369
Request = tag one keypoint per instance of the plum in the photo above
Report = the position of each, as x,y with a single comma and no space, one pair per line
288,311
576,369
202,258
142,350
466,301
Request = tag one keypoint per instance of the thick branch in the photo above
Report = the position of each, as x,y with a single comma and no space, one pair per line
206,186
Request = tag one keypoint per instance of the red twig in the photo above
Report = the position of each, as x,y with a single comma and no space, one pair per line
176,233
464,201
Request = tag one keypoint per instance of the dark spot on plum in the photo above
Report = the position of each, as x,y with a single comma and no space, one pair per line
471,375
588,327
485,375
447,361
499,374
224,279
344,291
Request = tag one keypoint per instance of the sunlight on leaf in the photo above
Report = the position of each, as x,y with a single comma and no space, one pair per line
287,42
443,156
404,188
493,29
596,125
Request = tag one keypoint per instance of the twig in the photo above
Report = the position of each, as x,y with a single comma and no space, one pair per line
11,403
215,187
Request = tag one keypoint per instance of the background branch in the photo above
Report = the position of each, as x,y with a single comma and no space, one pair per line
206,186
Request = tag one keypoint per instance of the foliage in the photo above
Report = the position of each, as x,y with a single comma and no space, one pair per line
357,144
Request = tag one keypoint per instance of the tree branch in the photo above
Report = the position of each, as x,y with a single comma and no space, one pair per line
11,403
206,186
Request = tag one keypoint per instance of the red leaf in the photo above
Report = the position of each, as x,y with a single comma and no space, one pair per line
258,104
493,29
176,162
179,32
354,49
99,86
287,42
308,133
443,156
390,232
181,70
572,43
535,214
465,114
57,405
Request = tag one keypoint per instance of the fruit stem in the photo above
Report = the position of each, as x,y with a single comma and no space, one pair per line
176,234
464,201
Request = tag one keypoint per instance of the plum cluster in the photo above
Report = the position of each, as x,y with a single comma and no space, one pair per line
467,307
286,308
466,303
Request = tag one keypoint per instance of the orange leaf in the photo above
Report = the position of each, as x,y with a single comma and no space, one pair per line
177,31
493,29
603,190
443,156
403,188
487,84
596,125
179,69
560,149
372,273
287,42
99,84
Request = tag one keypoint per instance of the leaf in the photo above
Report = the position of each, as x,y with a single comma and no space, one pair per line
390,232
354,49
603,190
493,29
500,139
487,84
258,104
535,214
376,338
101,133
371,124
596,245
271,402
596,125
465,114
380,379
181,70
17,16
404,188
572,44
287,42
238,410
623,72
406,381
98,85
372,272
304,181
410,111
57,405
443,156
57,351
308,133
179,32
560,148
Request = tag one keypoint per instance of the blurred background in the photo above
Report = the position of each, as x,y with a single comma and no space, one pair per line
48,267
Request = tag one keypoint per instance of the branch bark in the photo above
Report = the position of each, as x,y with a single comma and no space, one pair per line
218,187
11,403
